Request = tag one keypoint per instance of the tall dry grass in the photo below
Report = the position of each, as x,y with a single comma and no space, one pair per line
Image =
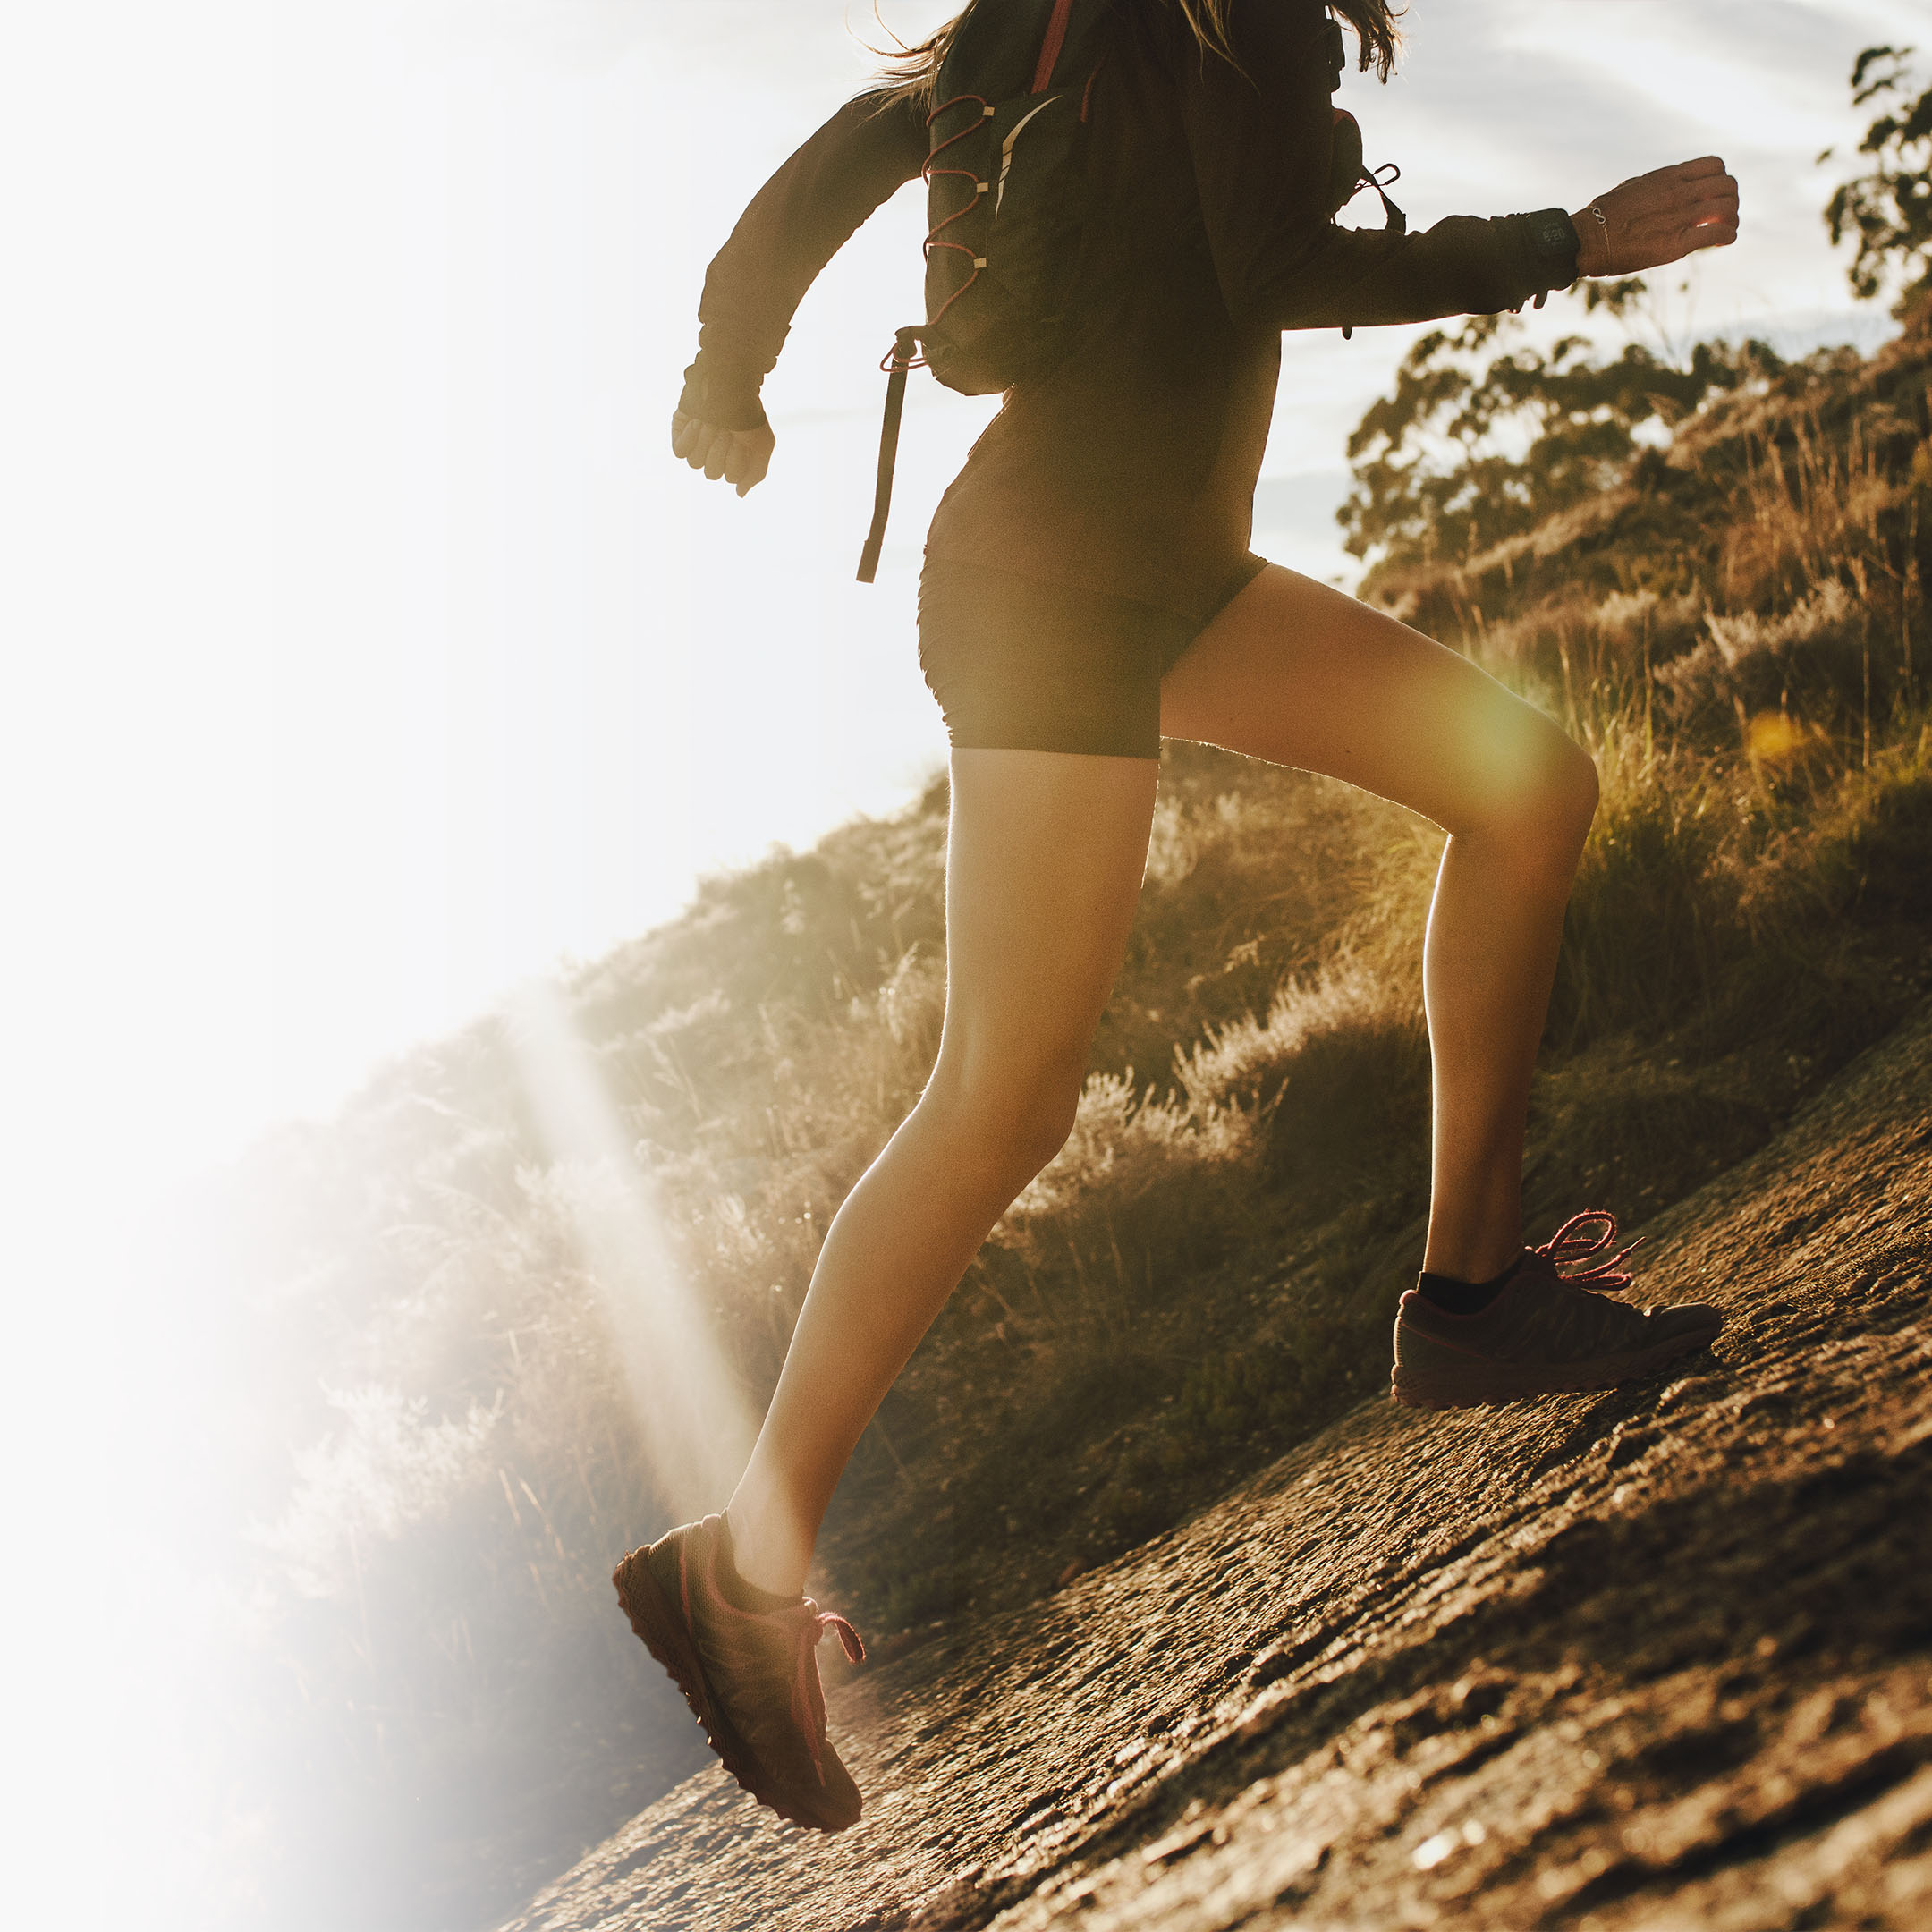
443,1458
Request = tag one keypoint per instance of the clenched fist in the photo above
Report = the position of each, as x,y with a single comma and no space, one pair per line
739,456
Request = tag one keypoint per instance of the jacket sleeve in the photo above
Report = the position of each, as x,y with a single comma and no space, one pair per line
1259,135
796,223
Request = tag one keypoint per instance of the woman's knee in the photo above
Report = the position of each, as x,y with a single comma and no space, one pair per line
1539,795
1567,790
1009,1121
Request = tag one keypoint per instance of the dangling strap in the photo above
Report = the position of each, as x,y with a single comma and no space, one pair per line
1381,179
1395,222
901,359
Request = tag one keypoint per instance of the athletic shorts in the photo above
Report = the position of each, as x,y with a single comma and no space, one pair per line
1018,665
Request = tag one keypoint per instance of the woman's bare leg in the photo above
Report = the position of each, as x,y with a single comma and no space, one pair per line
1044,857
1299,674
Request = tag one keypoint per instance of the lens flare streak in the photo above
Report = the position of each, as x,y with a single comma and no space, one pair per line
695,1422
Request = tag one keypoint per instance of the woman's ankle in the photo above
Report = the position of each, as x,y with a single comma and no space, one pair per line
743,1591
773,1563
1474,1258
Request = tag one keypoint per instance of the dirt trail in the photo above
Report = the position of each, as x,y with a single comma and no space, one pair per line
1659,1657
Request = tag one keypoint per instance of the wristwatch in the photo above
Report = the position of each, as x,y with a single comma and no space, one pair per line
1554,237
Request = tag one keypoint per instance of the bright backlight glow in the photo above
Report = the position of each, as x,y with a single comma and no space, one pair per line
693,1417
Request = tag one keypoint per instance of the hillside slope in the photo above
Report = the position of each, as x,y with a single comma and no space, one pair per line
1655,1657
428,1406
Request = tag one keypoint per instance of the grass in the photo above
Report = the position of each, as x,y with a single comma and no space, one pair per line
440,1455
1208,1271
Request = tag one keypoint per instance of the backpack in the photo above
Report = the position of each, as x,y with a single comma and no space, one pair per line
1007,201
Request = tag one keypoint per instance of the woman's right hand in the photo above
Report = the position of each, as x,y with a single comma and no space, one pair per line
739,456
1658,217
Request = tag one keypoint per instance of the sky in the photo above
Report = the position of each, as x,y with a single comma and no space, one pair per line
366,652
371,654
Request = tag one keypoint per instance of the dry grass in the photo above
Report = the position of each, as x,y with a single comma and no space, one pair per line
1205,1271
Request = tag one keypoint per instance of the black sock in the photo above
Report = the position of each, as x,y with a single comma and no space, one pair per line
1454,1297
743,1595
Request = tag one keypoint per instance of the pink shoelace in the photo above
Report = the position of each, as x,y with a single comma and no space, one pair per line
1573,1243
808,1700
805,1624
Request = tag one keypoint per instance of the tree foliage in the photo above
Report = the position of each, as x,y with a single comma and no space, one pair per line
1459,458
1888,208
1464,456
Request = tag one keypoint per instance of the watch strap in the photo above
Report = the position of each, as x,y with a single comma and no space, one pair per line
1553,238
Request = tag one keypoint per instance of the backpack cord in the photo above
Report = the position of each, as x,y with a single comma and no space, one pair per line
932,242
1395,222
903,358
904,353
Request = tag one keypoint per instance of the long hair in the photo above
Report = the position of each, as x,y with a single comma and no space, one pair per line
912,69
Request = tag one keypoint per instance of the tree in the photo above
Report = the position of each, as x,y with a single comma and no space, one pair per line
1888,208
1460,459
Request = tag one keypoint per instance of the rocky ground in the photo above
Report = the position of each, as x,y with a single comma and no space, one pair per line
1657,1657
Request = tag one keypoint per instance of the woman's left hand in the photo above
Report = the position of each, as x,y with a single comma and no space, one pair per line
739,456
1659,217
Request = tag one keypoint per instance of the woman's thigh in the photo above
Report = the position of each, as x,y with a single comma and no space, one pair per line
1301,674
1045,853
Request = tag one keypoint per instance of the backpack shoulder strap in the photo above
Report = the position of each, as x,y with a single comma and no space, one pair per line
1008,48
1003,49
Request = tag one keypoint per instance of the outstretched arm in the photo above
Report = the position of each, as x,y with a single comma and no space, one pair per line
796,223
1260,137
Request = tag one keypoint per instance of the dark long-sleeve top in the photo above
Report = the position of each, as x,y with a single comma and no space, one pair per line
1130,467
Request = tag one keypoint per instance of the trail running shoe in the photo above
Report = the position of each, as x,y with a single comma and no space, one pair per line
1548,1330
751,1677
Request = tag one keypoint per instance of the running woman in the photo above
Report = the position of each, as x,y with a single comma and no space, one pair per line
1088,588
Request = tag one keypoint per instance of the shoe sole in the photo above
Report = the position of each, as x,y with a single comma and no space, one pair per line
1483,1382
662,1630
